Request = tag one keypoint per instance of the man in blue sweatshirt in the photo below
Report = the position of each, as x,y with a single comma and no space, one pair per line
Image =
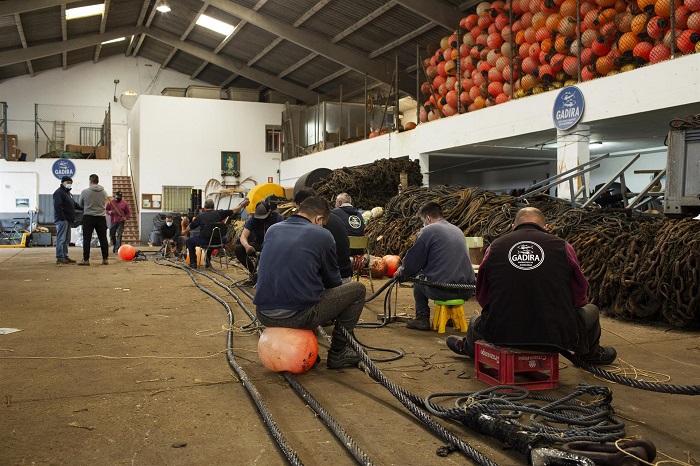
299,284
439,255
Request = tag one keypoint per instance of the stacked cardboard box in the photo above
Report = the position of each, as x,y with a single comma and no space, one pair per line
13,151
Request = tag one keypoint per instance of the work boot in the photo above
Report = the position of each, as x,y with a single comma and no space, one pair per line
251,281
418,324
62,261
337,359
84,262
105,262
69,260
601,356
457,344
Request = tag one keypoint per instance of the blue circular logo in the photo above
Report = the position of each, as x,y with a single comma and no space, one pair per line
568,108
63,167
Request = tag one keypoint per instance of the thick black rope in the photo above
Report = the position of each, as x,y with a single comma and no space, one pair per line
593,422
412,403
347,441
640,384
288,452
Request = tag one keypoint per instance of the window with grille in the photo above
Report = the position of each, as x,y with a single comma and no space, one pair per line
176,198
273,138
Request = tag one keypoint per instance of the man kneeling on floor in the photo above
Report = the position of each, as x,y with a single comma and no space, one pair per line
533,294
299,283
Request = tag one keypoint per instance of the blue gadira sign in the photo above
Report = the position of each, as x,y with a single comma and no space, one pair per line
568,108
63,167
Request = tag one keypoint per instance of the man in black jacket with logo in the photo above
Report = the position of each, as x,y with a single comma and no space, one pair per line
533,294
63,214
350,216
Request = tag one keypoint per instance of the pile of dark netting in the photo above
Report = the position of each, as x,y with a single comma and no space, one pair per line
369,185
637,267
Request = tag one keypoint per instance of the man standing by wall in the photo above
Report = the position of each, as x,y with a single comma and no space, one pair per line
118,211
63,214
93,200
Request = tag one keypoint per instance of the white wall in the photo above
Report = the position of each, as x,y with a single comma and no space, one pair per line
179,140
85,84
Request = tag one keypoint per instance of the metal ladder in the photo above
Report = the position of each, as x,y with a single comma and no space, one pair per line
58,141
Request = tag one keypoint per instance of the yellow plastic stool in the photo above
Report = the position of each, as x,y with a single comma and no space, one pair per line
446,310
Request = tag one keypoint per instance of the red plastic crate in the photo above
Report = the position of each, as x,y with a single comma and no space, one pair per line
497,365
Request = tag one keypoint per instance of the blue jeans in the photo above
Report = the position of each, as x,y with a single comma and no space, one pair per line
62,239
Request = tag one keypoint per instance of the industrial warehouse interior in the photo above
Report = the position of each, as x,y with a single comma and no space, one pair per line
586,110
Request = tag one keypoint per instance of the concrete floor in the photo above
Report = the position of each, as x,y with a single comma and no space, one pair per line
123,364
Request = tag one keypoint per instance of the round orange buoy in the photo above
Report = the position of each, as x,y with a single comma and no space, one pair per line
642,50
126,252
392,263
288,349
409,126
659,53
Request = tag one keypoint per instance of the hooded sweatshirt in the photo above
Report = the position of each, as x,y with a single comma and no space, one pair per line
93,200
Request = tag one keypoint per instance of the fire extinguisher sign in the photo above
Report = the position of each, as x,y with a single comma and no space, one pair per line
568,108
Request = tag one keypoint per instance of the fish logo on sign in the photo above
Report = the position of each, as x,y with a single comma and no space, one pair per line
526,255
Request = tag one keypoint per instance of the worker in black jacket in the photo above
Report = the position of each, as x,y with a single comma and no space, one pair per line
64,214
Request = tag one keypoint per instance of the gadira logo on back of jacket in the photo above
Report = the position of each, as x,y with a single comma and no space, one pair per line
355,221
526,255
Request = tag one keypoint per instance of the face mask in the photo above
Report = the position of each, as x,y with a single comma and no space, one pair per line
169,223
118,199
69,186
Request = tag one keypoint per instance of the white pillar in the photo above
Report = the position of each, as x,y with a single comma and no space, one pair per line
572,151
423,159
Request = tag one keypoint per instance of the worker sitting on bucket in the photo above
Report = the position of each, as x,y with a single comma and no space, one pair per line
439,255
533,293
299,283
252,237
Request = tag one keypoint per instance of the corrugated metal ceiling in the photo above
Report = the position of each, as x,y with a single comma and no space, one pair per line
294,47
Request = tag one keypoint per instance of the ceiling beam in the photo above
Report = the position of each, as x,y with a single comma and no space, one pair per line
185,34
330,77
434,11
23,39
139,22
355,26
228,80
102,30
143,36
298,64
64,36
500,157
11,57
344,56
310,12
264,51
265,79
403,39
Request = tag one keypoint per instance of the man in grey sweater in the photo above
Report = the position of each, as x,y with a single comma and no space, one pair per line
93,201
439,255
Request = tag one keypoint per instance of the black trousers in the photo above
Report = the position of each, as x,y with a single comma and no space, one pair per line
588,318
244,258
96,223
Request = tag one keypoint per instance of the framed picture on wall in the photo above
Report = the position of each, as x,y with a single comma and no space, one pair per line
230,163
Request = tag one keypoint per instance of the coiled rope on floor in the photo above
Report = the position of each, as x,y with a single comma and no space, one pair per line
272,427
346,440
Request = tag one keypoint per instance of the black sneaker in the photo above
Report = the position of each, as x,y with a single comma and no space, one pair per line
601,356
418,324
337,359
193,266
251,281
457,344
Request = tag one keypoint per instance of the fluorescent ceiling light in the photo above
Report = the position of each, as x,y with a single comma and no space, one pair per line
163,6
83,11
118,39
215,25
